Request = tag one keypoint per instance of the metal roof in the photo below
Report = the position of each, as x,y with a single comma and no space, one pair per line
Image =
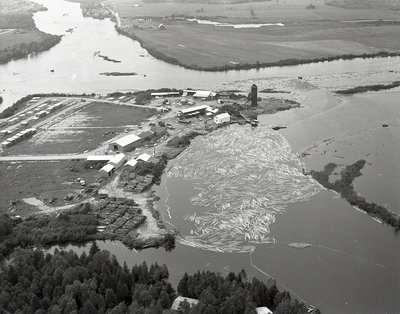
223,115
107,168
126,140
144,157
131,163
193,109
99,158
117,158
203,93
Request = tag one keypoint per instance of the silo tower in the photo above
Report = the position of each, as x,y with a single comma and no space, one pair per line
254,95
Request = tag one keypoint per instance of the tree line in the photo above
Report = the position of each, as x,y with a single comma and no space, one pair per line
63,282
24,49
344,186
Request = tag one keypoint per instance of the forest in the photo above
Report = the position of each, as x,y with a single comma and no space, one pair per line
23,49
73,227
34,282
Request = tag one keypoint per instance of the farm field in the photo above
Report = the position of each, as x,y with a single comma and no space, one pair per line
18,33
296,33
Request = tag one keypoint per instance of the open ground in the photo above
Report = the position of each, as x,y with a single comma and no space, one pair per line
304,34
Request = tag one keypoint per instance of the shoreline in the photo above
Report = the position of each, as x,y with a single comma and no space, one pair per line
251,66
149,230
344,187
29,46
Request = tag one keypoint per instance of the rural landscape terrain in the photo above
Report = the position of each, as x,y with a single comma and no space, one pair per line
206,200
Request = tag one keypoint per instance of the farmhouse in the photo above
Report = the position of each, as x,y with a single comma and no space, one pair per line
126,143
222,118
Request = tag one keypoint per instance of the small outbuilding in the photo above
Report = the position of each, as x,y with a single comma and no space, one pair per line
179,300
117,160
105,158
144,157
126,143
222,118
131,164
107,171
263,310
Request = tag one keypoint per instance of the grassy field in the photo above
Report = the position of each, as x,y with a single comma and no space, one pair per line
42,180
81,131
18,33
16,37
307,34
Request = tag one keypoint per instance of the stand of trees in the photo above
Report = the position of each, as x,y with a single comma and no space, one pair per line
235,294
74,227
24,49
32,282
95,283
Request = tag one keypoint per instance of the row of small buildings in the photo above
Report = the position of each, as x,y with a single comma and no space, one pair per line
204,109
35,114
18,137
116,161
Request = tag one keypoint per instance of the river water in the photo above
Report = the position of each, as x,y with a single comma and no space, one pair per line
353,264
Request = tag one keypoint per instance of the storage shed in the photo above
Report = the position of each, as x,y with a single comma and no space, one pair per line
131,164
125,144
222,118
144,157
117,160
107,171
263,310
179,300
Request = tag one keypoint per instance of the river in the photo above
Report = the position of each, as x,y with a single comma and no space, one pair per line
77,69
353,264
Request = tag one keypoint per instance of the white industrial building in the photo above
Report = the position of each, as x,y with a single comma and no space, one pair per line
107,171
126,143
192,111
131,164
106,158
117,160
222,118
144,157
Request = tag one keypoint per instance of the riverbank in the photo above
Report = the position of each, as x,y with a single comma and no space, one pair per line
368,88
344,186
19,36
165,52
170,137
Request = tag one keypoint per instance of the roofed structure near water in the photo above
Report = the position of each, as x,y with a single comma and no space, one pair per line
263,310
179,300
